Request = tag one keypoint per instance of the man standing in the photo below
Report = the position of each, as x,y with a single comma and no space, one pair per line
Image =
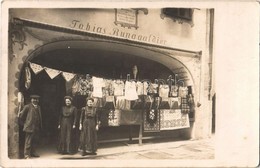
31,117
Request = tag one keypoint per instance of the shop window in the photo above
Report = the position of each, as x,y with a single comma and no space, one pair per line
180,15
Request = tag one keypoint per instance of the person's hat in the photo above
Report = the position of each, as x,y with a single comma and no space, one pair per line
68,97
35,96
90,98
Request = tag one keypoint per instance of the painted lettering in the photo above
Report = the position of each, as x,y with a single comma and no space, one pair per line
74,23
115,31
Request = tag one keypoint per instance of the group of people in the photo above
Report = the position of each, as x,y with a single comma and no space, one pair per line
89,124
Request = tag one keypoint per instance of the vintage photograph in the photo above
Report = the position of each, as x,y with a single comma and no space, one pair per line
111,83
166,84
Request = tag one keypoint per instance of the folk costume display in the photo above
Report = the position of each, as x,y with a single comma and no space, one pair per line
67,122
32,120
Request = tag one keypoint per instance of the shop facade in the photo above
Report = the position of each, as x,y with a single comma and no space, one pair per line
52,49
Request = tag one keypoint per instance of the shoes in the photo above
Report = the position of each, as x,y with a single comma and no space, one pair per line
93,153
83,154
35,155
27,157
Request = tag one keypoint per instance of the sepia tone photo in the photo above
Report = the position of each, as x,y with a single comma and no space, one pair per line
114,83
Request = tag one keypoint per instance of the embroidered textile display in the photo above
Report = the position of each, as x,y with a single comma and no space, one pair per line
114,118
173,119
151,120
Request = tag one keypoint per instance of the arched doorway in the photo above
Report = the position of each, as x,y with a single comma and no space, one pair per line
98,58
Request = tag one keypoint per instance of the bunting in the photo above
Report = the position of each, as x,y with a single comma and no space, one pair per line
68,76
35,67
52,72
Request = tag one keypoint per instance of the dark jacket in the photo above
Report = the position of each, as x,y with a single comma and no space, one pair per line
28,116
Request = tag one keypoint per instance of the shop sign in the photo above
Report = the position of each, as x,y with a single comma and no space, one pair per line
126,17
116,32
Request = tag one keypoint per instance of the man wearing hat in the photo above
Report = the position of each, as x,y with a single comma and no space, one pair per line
31,117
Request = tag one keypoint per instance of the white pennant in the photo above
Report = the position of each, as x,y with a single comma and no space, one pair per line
68,76
52,72
36,68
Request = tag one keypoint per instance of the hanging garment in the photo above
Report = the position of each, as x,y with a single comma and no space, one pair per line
153,88
151,120
145,89
183,91
130,90
52,72
164,91
140,88
164,104
185,108
138,104
28,78
98,83
36,68
118,87
175,102
108,89
75,86
156,103
148,101
120,102
68,76
98,102
174,91
114,118
109,102
85,87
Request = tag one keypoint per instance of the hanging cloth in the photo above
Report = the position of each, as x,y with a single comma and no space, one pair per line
174,91
118,87
153,88
183,92
28,78
52,72
98,83
75,86
35,67
130,90
68,76
164,91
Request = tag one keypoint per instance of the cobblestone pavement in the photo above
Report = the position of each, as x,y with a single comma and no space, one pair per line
153,149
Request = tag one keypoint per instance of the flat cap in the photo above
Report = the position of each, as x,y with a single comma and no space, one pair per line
35,96
68,97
